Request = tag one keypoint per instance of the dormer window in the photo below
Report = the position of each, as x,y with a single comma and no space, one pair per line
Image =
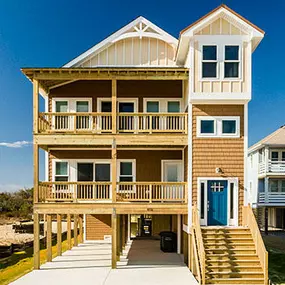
232,62
209,62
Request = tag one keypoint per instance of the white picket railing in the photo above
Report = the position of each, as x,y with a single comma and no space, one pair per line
276,198
271,167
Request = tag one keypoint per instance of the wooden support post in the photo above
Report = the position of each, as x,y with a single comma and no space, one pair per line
114,239
49,238
36,173
59,234
36,241
81,229
75,230
68,231
114,106
266,221
190,253
124,232
118,237
129,227
178,234
35,106
114,171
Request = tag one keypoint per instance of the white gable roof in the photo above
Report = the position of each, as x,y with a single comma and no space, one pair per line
139,28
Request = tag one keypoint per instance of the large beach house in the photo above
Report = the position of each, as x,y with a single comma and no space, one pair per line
146,133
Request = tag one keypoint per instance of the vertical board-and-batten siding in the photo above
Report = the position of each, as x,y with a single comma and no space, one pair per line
225,153
134,52
221,27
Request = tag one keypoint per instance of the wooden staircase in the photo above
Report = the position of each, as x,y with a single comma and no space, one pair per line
228,255
231,257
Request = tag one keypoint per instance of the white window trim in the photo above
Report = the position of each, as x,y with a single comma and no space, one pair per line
133,161
221,42
119,100
163,103
54,161
234,180
179,162
239,78
279,154
217,126
71,104
210,61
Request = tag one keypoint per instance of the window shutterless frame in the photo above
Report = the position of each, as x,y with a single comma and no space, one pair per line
239,61
218,126
216,61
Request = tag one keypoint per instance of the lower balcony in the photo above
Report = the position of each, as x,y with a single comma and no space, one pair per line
271,198
129,192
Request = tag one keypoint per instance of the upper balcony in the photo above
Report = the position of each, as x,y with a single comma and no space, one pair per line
271,168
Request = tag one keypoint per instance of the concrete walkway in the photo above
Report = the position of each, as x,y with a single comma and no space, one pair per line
90,263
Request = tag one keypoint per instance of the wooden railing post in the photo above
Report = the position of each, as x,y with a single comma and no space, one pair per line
114,171
114,106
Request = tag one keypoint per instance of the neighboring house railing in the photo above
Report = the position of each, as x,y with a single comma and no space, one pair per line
248,220
271,198
198,247
102,122
271,167
149,192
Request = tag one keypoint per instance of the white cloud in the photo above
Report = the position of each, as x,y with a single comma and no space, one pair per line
17,144
11,187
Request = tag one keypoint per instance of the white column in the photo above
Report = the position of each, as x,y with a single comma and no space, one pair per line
178,234
129,228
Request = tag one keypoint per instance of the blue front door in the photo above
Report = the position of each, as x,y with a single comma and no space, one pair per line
218,201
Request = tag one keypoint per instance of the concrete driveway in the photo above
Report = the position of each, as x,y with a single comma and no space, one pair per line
90,263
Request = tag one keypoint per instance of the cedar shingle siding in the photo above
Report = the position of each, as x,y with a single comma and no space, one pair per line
226,153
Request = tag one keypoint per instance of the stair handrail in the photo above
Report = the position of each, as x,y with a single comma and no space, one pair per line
249,221
198,239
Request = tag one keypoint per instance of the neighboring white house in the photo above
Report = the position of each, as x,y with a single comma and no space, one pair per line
266,179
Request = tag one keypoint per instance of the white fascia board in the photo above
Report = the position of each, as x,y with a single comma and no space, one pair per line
111,39
220,98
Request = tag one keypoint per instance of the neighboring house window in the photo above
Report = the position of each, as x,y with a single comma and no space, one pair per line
218,126
61,171
283,155
232,62
274,186
282,185
126,171
209,61
274,155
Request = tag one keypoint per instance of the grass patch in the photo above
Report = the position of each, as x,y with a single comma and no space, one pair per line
276,258
20,263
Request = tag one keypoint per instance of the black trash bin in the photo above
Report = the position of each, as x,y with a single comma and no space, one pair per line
168,241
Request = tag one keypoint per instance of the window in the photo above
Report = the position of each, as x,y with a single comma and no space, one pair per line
231,64
229,126
152,107
82,106
126,172
202,200
283,155
218,126
61,171
282,185
209,62
61,106
173,106
274,186
274,155
207,126
82,121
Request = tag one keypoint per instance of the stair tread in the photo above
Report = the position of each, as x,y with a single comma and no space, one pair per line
235,266
238,254
233,273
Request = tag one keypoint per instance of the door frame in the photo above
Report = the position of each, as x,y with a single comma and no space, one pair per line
119,100
231,180
178,161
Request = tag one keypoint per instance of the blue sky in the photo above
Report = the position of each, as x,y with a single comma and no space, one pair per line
38,33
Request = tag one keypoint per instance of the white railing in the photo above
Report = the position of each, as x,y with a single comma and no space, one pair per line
102,123
271,167
277,198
